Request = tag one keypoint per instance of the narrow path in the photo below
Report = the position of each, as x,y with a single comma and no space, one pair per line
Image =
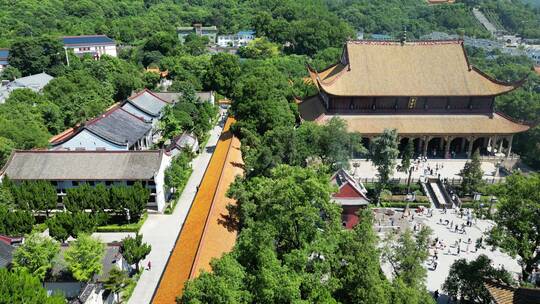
161,231
484,20
180,262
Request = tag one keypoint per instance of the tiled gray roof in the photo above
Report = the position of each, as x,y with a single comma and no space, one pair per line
6,254
173,97
148,102
83,165
119,126
37,81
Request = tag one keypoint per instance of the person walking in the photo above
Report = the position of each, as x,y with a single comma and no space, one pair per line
149,265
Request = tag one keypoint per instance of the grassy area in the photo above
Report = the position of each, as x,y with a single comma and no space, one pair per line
133,227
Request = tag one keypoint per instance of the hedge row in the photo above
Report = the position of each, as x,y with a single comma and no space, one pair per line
412,205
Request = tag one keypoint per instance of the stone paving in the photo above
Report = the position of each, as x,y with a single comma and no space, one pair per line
448,168
161,230
447,252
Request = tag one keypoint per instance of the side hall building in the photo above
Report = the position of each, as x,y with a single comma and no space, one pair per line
68,169
427,90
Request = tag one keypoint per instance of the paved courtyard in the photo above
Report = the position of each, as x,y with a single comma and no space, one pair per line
447,168
447,251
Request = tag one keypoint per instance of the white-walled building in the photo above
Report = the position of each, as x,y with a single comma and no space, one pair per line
4,54
68,169
242,38
95,45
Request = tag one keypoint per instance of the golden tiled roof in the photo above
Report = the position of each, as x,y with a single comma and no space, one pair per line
423,68
312,109
426,124
504,294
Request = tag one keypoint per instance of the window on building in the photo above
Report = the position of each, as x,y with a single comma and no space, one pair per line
108,183
75,183
130,183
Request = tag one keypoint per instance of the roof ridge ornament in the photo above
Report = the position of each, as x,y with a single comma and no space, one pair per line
403,39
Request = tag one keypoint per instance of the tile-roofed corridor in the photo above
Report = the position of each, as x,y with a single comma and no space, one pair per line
83,165
148,102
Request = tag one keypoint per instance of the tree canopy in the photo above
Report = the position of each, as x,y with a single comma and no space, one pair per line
84,257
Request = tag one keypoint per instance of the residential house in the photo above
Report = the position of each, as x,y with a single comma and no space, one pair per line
186,141
4,54
116,129
68,169
94,45
242,38
35,83
199,30
351,196
93,292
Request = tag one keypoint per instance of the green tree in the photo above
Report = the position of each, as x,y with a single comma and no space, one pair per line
19,286
359,273
60,226
408,154
134,250
516,231
259,48
195,45
6,146
36,255
466,279
384,151
224,285
407,254
33,55
84,257
116,282
222,73
15,222
472,175
10,73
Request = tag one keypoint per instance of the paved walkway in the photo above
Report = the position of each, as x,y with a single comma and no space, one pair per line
161,230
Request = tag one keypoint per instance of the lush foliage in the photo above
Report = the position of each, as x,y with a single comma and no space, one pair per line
383,154
36,255
84,256
466,279
178,173
292,248
134,250
472,174
21,287
517,231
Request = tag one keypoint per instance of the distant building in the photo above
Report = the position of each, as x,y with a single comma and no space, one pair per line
4,54
35,83
242,38
351,196
68,169
381,37
185,141
94,45
116,129
199,30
